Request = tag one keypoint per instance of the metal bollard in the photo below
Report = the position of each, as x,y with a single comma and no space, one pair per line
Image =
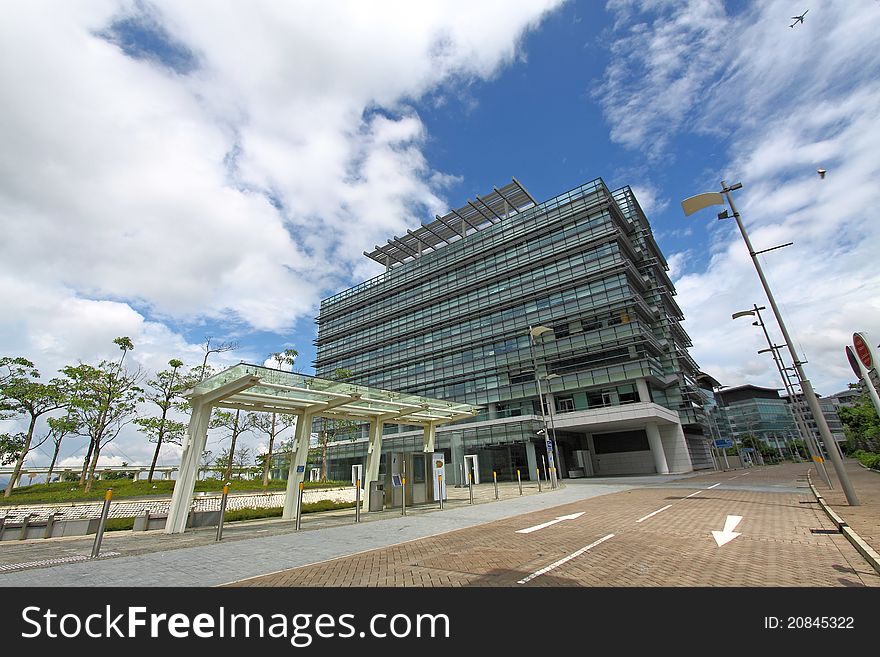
471,487
222,512
403,496
538,472
519,482
96,548
299,505
440,488
357,501
495,480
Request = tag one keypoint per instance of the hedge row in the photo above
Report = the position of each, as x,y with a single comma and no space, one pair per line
868,459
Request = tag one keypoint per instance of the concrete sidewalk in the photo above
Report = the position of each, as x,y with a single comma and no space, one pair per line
265,546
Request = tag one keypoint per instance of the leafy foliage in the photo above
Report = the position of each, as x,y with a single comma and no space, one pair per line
861,425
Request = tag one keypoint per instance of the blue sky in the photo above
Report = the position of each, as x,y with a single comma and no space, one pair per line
173,171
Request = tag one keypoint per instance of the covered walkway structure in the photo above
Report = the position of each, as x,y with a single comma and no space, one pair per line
259,389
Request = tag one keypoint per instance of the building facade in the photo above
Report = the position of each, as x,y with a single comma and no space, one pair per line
829,410
507,302
752,411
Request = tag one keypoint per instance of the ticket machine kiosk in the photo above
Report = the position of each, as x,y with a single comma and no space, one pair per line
419,470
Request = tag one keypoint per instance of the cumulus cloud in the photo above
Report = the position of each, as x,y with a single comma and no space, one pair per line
787,102
168,165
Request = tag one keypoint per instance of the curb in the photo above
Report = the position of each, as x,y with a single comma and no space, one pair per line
870,554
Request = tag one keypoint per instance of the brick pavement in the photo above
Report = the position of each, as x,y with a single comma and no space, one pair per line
865,518
786,540
672,548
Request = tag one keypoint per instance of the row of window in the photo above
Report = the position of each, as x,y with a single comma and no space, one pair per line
500,355
571,236
560,271
510,320
510,229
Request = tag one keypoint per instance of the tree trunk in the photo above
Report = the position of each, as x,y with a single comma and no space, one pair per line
86,461
91,476
159,446
19,462
232,448
54,459
269,455
324,445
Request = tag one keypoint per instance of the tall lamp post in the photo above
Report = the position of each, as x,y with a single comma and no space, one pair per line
552,426
700,201
535,331
806,434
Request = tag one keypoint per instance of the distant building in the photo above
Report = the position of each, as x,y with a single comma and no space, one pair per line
750,410
845,398
829,410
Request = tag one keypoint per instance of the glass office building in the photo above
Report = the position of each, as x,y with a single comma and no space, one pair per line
749,410
507,302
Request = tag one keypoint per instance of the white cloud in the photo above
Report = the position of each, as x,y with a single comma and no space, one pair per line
239,184
791,101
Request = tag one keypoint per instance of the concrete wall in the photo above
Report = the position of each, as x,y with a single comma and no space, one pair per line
207,502
624,463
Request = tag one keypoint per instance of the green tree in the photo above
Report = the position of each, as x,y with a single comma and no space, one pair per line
10,447
241,459
215,349
233,425
165,391
105,399
59,427
270,425
22,395
861,425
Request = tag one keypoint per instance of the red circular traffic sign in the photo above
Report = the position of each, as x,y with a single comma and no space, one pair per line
863,350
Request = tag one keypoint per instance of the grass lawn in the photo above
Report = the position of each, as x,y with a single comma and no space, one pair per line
69,492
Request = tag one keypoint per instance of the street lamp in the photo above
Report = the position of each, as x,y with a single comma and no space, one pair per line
700,201
535,331
806,434
552,426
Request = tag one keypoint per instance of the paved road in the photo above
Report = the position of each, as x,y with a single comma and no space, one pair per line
651,536
633,531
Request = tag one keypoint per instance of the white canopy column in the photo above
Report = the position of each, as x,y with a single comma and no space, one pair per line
374,454
194,445
297,473
430,437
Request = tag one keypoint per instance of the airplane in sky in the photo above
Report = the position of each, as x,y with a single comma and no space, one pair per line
798,19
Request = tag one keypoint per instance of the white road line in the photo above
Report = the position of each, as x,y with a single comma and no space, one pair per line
529,530
714,486
692,494
571,556
655,513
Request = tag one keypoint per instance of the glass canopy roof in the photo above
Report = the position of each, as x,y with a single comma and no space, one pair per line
263,389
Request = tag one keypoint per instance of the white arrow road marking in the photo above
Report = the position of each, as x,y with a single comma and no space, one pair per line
529,530
655,513
727,534
571,556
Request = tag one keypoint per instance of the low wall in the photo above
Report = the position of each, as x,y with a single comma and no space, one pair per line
201,502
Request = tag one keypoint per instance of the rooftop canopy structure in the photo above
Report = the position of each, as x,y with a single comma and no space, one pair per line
253,388
455,225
